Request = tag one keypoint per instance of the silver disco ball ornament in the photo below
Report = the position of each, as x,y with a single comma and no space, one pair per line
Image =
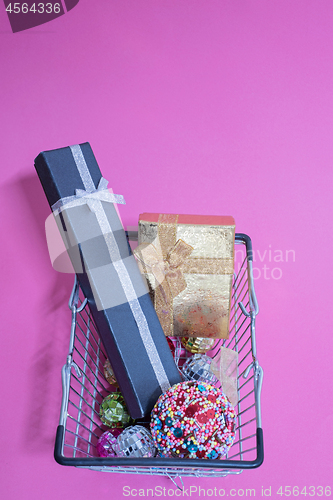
198,368
135,441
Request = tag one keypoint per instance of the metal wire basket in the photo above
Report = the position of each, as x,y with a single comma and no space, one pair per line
84,388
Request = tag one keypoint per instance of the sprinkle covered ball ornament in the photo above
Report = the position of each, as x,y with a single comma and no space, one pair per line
198,368
193,420
135,441
105,444
113,411
198,345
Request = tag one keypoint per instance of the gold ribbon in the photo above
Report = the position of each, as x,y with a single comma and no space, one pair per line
166,271
169,264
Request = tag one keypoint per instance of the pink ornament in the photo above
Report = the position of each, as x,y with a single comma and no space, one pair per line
106,443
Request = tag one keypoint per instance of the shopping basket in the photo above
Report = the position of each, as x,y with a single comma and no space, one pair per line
84,388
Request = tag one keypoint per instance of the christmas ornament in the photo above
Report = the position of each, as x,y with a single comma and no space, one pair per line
109,375
198,368
193,420
105,444
113,411
198,345
135,441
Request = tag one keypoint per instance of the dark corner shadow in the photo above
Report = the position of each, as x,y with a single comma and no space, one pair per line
33,194
52,322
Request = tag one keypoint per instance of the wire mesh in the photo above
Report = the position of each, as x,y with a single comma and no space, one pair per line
85,387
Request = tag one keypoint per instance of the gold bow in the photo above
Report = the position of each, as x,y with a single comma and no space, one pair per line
167,271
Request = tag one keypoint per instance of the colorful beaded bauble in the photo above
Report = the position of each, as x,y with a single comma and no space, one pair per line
193,420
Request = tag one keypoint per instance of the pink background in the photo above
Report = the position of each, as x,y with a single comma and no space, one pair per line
191,106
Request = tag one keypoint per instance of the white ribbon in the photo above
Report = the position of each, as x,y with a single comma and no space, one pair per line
88,197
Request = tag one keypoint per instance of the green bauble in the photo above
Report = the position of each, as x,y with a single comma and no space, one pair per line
113,411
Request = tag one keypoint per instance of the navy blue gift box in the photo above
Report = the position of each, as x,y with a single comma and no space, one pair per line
108,275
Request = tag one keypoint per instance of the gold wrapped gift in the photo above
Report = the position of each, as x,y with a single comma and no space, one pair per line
188,261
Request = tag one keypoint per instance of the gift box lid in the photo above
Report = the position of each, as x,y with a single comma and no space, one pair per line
211,220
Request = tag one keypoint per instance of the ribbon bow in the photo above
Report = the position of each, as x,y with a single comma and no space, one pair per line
167,271
89,197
